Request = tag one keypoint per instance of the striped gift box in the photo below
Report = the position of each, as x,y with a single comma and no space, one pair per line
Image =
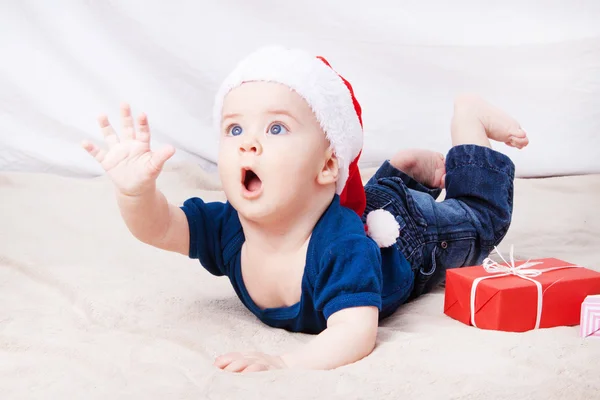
590,317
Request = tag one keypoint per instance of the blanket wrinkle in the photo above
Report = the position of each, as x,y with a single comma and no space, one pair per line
79,306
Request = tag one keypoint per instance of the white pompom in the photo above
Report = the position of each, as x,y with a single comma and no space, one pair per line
382,227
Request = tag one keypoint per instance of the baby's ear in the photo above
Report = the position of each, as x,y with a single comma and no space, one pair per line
330,171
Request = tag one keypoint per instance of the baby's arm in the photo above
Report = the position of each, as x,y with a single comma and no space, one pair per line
348,290
349,337
153,220
133,168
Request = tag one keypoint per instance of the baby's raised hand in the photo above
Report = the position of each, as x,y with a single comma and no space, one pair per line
128,161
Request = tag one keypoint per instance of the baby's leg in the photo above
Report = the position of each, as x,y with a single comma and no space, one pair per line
479,181
477,210
424,166
475,122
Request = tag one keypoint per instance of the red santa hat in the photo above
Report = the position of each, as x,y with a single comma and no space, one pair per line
332,100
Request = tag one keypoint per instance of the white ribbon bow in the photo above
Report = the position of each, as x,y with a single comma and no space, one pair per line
522,271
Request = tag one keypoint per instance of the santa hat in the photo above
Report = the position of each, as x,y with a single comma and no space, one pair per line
332,100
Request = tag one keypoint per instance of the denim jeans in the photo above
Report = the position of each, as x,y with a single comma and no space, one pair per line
458,231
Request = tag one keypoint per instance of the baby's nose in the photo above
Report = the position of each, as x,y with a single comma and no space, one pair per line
252,146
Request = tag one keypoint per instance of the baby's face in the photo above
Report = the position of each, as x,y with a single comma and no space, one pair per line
271,150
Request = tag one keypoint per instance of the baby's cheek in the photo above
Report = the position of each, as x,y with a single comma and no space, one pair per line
296,172
229,175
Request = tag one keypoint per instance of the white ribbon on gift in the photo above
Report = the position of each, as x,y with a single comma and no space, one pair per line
522,271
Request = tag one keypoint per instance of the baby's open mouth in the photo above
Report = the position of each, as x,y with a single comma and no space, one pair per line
250,180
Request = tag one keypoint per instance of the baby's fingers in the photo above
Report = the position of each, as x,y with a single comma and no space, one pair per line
161,156
110,136
256,368
143,134
127,121
237,365
224,360
94,151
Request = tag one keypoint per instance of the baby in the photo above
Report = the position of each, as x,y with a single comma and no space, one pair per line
305,245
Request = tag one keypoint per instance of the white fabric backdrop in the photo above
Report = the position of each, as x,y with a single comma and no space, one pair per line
64,63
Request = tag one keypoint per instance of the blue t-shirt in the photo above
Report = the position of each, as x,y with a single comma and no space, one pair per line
344,267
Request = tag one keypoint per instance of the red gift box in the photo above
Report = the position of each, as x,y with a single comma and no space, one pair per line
506,297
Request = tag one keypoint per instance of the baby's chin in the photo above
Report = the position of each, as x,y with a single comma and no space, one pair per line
259,214
257,209
264,210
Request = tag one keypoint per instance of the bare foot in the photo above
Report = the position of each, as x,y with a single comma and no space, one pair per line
498,125
425,166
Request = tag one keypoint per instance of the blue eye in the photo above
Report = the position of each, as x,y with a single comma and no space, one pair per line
235,130
278,129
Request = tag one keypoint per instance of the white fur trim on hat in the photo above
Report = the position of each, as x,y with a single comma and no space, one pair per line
382,227
319,85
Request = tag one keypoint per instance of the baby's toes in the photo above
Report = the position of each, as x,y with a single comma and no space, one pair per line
439,172
440,163
517,131
518,142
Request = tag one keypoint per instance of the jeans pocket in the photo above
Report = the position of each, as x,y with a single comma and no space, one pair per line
454,253
439,257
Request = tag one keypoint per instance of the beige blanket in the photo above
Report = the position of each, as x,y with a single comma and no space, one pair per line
87,312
